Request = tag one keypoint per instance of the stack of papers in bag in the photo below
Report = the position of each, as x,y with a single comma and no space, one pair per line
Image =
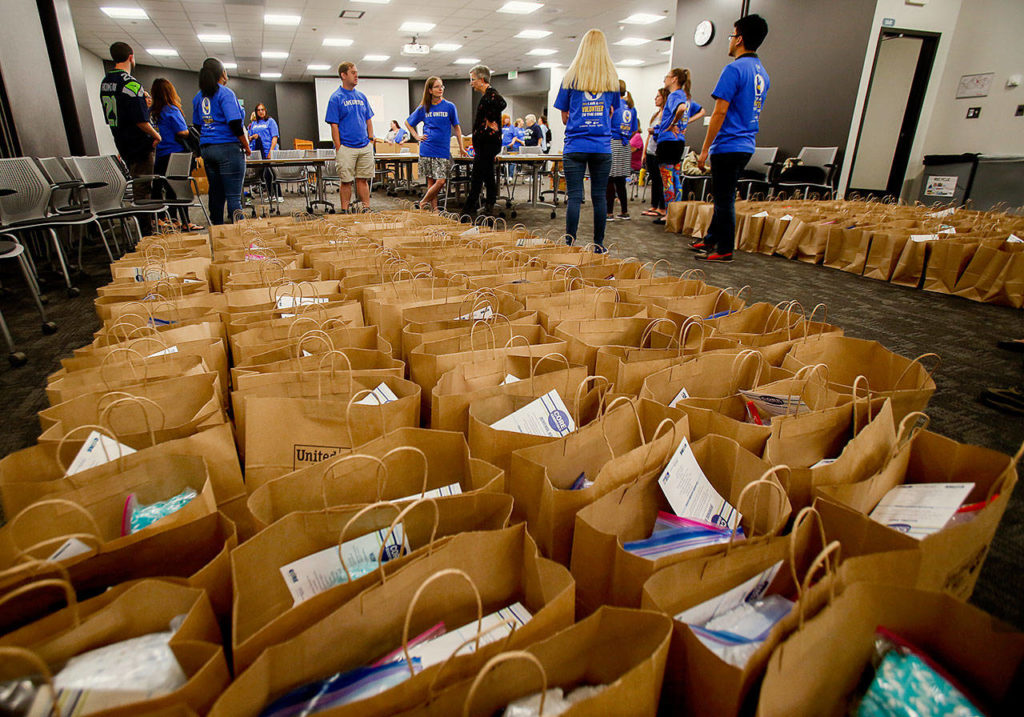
378,396
920,509
691,494
323,570
770,405
97,450
445,490
546,416
481,314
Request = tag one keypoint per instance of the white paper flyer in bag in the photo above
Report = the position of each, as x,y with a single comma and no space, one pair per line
546,416
770,405
378,396
97,450
691,494
920,509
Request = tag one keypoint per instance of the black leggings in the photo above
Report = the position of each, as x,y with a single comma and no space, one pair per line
616,185
159,188
654,177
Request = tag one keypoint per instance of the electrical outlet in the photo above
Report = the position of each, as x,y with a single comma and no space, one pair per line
707,120
1019,112
973,112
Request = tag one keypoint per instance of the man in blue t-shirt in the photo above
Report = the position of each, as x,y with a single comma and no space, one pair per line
350,116
739,99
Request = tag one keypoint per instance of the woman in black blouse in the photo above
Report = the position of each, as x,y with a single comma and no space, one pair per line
486,140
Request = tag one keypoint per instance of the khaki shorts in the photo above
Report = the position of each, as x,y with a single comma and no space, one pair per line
355,163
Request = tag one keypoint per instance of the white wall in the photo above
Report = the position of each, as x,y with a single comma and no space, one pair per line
642,83
939,16
988,39
389,100
92,67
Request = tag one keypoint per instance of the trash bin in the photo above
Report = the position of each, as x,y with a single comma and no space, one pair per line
947,178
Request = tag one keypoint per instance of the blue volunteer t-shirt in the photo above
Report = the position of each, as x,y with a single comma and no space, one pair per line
400,136
349,109
676,98
694,109
212,114
437,125
589,126
266,130
170,122
624,123
507,135
744,84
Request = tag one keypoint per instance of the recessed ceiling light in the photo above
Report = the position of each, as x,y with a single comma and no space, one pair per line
337,42
162,52
230,65
274,55
467,61
270,75
208,39
446,47
282,19
546,65
533,34
520,8
375,58
125,13
542,51
632,41
629,63
403,68
414,26
642,18
318,68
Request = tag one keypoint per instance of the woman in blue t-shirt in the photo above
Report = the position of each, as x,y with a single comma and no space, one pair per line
265,137
439,118
587,98
624,126
671,134
218,116
170,123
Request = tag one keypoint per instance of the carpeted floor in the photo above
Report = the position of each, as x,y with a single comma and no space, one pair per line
908,321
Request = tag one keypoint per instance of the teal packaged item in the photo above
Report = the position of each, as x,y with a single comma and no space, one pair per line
137,516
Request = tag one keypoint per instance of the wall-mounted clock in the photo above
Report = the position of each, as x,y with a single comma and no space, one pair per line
703,33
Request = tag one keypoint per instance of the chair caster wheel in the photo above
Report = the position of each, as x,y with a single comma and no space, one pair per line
508,204
44,300
17,359
49,328
330,211
552,213
73,291
513,214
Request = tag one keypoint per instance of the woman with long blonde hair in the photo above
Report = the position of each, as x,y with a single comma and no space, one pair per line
587,98
439,118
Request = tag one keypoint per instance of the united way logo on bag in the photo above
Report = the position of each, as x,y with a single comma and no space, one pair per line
305,455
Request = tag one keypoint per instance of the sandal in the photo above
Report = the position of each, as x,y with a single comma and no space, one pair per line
650,213
192,228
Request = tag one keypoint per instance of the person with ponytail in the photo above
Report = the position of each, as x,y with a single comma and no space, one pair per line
439,118
671,134
588,97
651,158
624,126
223,142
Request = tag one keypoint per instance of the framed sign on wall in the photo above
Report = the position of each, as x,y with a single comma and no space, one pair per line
974,85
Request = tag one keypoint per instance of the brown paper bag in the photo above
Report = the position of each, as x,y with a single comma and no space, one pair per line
750,232
949,258
886,249
676,215
847,249
136,371
910,267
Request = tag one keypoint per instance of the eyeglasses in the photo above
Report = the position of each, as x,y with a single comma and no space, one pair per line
733,36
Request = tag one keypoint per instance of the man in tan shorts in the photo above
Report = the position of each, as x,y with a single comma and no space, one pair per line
350,116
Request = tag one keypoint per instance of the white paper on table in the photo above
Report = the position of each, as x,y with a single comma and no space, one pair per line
770,405
439,649
289,302
380,395
920,509
323,570
443,491
691,494
480,314
679,397
747,591
164,352
71,548
760,214
97,450
509,378
924,237
546,416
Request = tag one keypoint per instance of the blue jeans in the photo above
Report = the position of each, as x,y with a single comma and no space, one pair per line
576,164
225,170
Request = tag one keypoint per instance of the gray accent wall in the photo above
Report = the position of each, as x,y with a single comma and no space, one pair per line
296,112
813,54
186,83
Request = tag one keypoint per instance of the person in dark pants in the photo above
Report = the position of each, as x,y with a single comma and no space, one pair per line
486,140
588,97
651,158
127,115
739,99
222,139
166,112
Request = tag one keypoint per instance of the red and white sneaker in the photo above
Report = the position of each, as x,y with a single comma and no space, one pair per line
708,255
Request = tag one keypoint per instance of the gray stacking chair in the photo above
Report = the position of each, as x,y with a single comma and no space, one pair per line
13,250
107,201
758,170
822,158
292,175
183,187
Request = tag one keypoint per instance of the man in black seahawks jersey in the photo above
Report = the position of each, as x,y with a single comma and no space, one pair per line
127,114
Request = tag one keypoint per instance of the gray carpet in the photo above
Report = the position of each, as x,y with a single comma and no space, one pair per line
908,321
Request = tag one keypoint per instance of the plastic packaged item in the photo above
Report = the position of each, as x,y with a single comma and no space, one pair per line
679,539
138,516
555,701
908,683
581,482
341,688
736,635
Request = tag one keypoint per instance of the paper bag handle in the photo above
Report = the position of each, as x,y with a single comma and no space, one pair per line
69,594
928,374
329,471
650,448
416,597
348,414
400,518
741,360
510,622
597,296
684,333
31,658
103,430
35,564
300,317
315,334
776,486
861,380
105,413
912,424
320,372
97,536
809,511
504,657
542,359
472,334
604,421
693,275
578,396
651,325
833,551
105,362
401,449
344,529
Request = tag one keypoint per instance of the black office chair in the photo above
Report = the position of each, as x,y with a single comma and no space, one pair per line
759,170
815,171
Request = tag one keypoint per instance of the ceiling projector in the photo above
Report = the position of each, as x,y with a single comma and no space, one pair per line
415,49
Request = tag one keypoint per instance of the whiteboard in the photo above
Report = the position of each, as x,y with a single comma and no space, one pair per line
389,100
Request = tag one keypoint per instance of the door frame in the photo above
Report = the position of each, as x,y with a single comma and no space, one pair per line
911,115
